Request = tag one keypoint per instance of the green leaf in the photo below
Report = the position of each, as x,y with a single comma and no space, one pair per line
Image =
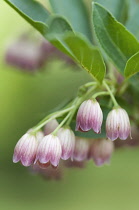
57,26
133,20
118,8
81,50
75,12
32,11
132,66
37,16
76,46
117,42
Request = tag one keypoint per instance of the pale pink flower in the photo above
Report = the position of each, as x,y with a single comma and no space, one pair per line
118,124
49,150
24,54
101,151
25,150
81,149
67,140
89,116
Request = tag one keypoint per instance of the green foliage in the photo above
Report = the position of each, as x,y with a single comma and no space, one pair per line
75,12
57,25
55,29
132,23
79,48
118,8
76,46
31,11
69,30
117,42
132,66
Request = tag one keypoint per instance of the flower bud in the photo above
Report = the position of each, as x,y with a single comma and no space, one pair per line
118,124
89,116
25,150
101,151
50,126
49,150
81,149
67,140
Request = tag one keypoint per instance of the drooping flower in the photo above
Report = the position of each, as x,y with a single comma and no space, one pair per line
50,126
89,116
67,140
81,149
101,151
25,54
118,124
49,151
25,150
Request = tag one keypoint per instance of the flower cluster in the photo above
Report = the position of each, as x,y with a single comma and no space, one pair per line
57,144
90,116
49,149
40,151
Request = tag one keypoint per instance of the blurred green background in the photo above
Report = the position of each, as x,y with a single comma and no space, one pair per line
24,100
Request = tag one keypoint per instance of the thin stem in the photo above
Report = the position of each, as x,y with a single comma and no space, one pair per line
89,84
61,124
78,101
88,93
123,88
111,94
100,94
71,110
51,117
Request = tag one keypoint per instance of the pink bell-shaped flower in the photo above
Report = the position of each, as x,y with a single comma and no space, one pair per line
89,116
118,124
81,149
67,140
49,151
101,151
25,150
